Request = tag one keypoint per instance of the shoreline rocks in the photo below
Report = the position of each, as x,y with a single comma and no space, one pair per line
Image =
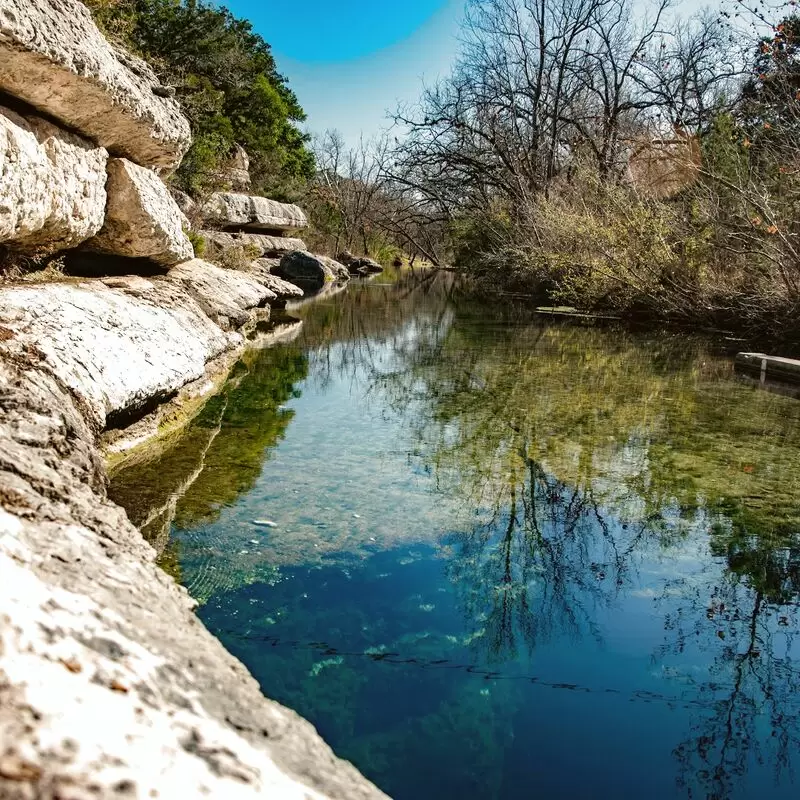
110,686
142,219
252,213
52,185
256,245
311,273
53,57
107,677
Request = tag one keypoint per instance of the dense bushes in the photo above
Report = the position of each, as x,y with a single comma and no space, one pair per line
227,83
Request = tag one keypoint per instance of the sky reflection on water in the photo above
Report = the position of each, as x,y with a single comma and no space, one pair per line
509,558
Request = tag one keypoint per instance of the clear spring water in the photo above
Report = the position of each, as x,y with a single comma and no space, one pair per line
509,558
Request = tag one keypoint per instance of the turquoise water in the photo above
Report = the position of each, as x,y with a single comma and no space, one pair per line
505,558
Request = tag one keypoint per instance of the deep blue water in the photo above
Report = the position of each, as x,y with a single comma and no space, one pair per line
507,559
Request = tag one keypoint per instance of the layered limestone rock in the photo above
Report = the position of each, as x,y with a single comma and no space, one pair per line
52,185
311,273
53,57
142,218
121,348
110,686
226,295
250,245
243,211
238,173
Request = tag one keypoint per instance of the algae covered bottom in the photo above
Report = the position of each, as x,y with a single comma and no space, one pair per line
491,556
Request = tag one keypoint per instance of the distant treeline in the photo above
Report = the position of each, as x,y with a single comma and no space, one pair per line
227,82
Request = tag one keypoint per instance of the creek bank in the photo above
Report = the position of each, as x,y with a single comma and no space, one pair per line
110,687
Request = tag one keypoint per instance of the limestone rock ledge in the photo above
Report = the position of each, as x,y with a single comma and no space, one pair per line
110,687
122,348
53,57
256,245
251,213
52,185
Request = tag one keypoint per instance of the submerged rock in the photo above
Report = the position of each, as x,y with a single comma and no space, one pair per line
232,210
142,218
52,185
53,57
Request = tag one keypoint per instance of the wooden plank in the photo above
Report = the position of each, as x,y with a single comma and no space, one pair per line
774,368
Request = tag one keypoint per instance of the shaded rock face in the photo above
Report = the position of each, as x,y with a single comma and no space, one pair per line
142,218
256,245
52,185
185,203
119,348
53,57
359,265
364,266
242,211
311,273
261,270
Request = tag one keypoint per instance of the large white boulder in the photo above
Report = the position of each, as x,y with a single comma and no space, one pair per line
52,185
142,218
232,210
53,56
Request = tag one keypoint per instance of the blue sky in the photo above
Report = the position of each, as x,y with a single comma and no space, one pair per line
349,61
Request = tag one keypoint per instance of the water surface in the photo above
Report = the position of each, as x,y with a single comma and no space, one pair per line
508,558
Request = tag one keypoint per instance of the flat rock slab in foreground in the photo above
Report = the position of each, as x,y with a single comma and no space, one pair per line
53,57
110,687
231,210
775,368
119,349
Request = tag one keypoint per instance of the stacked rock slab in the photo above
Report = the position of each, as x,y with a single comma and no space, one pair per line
54,58
55,189
142,218
52,185
257,229
242,212
253,245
